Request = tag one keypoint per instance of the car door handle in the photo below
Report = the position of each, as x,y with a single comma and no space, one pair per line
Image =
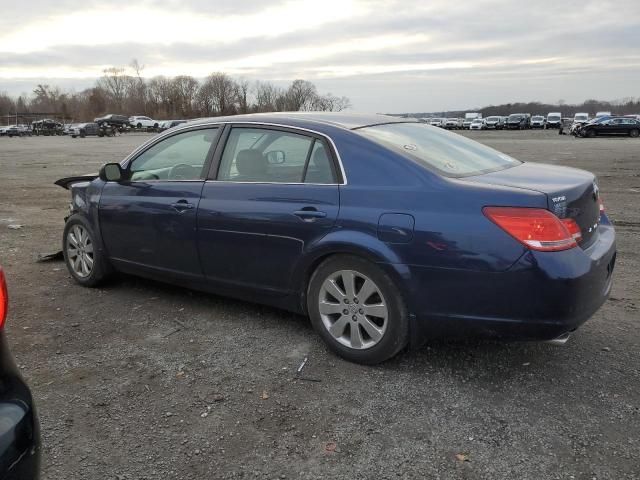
182,205
309,215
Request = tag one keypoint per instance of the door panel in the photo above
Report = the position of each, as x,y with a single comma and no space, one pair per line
152,224
149,220
253,234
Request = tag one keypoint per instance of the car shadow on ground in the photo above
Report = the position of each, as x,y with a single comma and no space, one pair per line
473,357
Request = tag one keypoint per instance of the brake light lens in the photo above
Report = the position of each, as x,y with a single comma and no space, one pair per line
535,228
4,299
573,228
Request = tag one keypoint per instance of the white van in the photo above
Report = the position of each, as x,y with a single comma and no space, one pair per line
554,119
581,118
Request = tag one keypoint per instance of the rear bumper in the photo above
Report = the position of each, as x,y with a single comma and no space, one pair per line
542,296
19,427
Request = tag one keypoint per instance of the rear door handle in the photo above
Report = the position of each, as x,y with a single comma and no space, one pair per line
309,215
182,205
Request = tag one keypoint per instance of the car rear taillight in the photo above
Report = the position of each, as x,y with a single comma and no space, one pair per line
535,228
4,299
573,228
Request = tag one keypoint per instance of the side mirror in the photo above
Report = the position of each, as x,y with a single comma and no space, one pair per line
111,172
276,157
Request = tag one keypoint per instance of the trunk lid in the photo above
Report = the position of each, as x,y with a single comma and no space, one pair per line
571,193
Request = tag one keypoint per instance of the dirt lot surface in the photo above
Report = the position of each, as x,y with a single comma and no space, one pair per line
139,380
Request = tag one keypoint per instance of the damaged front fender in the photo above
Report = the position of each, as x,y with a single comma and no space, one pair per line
68,181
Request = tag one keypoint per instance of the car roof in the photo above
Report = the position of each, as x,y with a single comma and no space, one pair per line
340,119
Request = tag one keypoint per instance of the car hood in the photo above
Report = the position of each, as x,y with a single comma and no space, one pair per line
571,193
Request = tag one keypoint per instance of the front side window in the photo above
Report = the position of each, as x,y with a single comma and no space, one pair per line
274,156
448,153
179,157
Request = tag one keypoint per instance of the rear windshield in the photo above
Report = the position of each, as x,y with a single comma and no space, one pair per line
448,153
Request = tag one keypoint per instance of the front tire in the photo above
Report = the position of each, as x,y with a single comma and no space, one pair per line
591,133
634,133
357,310
85,261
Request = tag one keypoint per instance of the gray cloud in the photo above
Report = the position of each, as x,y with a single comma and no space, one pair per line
594,47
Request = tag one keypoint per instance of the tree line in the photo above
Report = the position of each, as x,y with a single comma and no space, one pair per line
182,96
626,106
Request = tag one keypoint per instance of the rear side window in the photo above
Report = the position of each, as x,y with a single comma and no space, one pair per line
448,153
274,156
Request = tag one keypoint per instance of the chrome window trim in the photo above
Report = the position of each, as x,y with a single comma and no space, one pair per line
161,136
276,183
180,128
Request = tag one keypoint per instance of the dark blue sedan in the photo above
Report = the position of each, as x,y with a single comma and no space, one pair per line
385,231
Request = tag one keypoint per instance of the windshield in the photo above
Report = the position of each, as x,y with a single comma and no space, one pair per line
537,118
449,153
553,117
493,119
581,117
515,117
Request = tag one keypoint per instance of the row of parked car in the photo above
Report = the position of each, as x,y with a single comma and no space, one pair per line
107,125
522,121
15,131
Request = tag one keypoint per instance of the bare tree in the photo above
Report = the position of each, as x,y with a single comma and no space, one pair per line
330,103
267,96
46,98
159,93
114,82
218,95
185,89
242,86
300,95
137,89
172,97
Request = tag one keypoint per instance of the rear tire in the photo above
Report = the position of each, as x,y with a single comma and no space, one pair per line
375,326
634,133
84,258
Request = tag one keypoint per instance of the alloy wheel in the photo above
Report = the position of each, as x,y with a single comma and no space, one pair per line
353,309
80,251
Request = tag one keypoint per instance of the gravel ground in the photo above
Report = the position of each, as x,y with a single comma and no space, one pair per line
140,380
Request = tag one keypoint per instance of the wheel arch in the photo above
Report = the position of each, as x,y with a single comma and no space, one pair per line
357,244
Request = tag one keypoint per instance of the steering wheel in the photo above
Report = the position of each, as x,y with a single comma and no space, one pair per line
181,171
142,176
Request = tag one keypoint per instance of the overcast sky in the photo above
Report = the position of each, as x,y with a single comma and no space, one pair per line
386,56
